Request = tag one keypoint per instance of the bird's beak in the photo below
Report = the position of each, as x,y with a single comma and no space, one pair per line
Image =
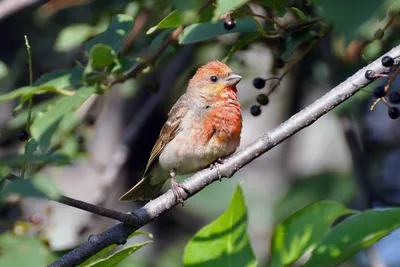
232,79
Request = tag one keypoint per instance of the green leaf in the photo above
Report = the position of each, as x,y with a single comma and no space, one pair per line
206,31
19,160
118,256
302,230
295,40
50,82
347,17
23,251
278,5
44,120
123,64
19,120
115,34
58,78
101,56
104,251
225,241
299,13
352,235
373,50
172,20
72,36
188,10
38,186
224,6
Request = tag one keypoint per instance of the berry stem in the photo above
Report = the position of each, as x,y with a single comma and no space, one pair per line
392,78
292,65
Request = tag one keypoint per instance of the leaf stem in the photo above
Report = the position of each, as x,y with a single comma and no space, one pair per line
30,104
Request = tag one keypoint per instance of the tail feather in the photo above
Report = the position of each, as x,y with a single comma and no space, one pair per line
143,190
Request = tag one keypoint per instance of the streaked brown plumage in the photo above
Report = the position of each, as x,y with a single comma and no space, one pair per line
203,126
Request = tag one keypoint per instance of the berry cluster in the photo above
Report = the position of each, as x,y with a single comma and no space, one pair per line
381,92
262,99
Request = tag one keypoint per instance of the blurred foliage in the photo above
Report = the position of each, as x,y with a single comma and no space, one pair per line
109,49
307,190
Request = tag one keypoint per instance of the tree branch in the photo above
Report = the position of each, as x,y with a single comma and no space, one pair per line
118,233
126,218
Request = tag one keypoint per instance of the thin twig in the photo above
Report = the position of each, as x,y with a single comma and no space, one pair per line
30,105
203,178
126,218
292,65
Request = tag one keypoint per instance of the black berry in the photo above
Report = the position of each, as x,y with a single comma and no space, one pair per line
262,99
387,61
370,75
393,112
279,63
229,25
255,110
394,97
259,83
379,92
22,135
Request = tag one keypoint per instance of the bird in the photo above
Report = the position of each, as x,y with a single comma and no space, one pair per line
203,127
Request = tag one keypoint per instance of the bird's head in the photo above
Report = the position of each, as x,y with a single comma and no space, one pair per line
214,78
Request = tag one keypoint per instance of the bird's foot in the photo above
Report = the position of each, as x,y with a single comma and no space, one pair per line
175,186
216,166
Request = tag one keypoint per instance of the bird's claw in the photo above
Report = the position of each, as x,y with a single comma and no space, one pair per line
216,166
175,186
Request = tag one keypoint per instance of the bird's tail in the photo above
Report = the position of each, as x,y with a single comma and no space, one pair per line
143,190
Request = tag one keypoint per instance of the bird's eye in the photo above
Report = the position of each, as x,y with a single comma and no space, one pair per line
214,78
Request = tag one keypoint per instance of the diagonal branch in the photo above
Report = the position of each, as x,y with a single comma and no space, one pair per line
118,233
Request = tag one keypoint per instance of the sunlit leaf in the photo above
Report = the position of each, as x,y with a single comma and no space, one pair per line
174,19
72,36
115,34
225,241
94,259
302,230
118,256
101,56
352,235
44,120
223,6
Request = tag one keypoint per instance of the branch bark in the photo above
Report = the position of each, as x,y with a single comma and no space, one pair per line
118,233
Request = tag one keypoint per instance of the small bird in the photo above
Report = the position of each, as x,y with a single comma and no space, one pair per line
203,127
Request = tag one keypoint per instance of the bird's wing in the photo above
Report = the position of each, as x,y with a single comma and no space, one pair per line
169,130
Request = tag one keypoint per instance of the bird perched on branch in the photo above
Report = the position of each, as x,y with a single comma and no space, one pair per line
203,127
